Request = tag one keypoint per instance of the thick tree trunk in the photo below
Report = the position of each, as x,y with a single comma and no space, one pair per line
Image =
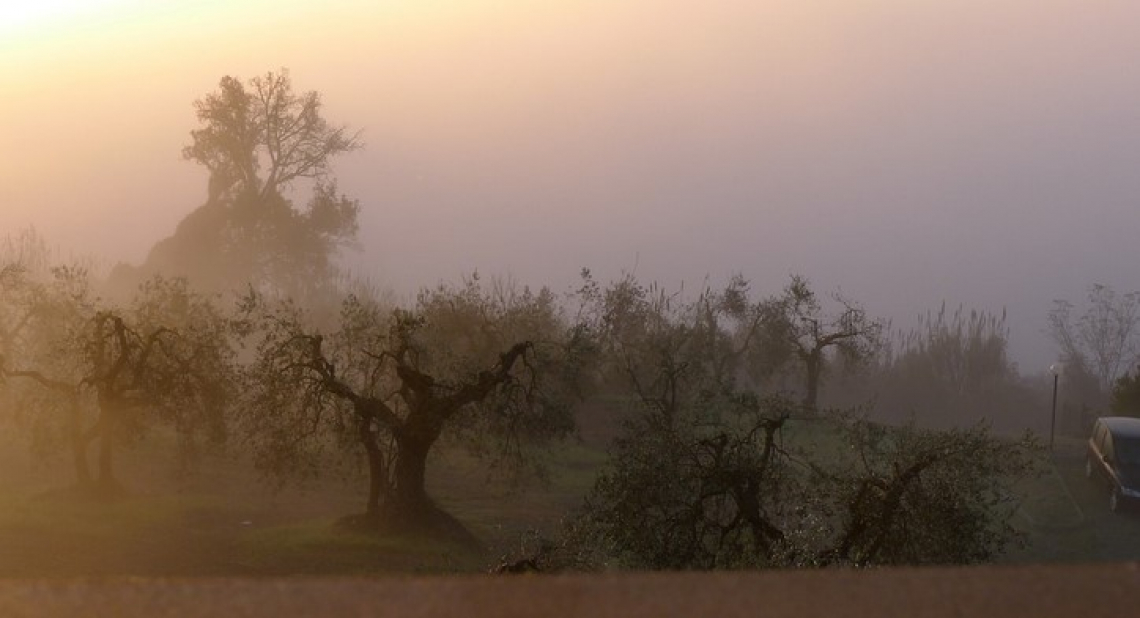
106,483
79,460
377,467
814,366
106,457
409,509
79,444
409,498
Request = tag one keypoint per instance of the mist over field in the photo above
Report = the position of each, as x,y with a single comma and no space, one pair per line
360,287
910,153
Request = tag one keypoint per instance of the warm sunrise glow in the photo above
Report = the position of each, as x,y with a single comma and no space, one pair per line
32,18
835,252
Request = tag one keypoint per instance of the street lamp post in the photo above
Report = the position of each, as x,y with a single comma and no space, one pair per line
1056,369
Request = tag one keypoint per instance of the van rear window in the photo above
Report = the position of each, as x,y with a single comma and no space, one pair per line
1127,450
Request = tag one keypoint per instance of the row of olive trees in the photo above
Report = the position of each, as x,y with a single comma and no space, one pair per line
96,372
702,477
282,374
494,365
717,469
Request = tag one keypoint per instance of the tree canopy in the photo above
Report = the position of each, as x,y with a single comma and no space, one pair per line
1102,338
713,470
106,369
489,367
257,139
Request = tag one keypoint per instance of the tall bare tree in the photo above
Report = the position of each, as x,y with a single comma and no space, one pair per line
1102,339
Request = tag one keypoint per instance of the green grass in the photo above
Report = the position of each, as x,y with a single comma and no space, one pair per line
1046,503
320,547
501,514
1054,526
224,521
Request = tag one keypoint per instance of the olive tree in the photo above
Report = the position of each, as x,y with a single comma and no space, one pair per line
903,495
1126,394
490,367
712,472
109,370
699,449
812,331
257,139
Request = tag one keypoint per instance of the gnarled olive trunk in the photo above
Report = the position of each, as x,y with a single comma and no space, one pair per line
79,442
107,482
110,408
813,362
377,466
409,505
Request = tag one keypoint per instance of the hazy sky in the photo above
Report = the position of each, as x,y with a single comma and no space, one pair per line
984,152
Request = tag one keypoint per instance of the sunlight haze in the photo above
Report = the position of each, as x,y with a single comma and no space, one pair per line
910,153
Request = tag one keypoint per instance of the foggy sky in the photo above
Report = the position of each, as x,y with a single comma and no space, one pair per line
982,152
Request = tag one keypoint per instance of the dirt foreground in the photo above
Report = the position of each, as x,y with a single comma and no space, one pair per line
1040,592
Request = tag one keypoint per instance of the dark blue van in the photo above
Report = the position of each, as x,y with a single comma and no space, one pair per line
1114,458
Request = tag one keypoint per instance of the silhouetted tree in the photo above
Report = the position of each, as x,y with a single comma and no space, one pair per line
1126,394
106,367
908,496
709,471
1101,340
24,268
256,140
698,455
661,346
701,491
490,368
811,331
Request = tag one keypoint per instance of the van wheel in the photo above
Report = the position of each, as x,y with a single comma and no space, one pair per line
1114,500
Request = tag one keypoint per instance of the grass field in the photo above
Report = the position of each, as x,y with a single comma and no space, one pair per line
224,521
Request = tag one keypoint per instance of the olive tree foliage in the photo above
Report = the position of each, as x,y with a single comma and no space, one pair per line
1101,339
107,372
257,139
25,264
18,287
15,308
712,471
493,367
1126,394
812,331
699,450
692,492
722,496
902,495
665,347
